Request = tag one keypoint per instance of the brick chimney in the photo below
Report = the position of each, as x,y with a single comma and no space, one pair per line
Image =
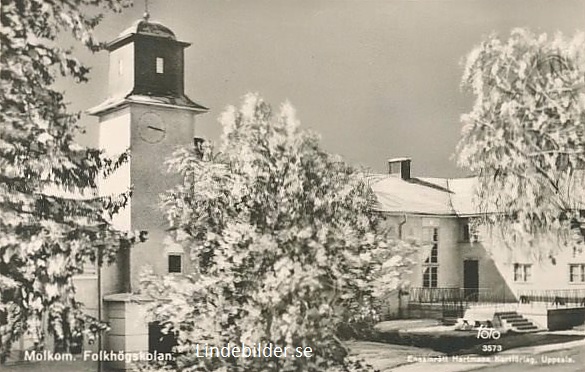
399,167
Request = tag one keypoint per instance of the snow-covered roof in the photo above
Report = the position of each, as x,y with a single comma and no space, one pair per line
147,27
181,101
462,197
393,160
433,196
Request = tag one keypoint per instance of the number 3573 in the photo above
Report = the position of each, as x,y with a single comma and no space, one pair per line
491,348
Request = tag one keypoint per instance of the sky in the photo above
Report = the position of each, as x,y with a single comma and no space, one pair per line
376,79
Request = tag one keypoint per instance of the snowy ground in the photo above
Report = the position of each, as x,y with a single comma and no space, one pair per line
385,357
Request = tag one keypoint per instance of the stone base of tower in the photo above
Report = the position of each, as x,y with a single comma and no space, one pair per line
129,330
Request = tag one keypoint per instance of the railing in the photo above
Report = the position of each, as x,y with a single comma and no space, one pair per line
554,297
560,297
453,295
453,302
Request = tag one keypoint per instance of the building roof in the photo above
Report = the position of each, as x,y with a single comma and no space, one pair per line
147,27
181,101
432,196
144,27
399,159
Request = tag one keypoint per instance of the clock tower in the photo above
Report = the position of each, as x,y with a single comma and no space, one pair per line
147,112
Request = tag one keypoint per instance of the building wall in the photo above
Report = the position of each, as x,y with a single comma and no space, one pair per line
450,263
449,267
114,138
495,257
121,73
547,273
146,173
146,78
491,281
150,178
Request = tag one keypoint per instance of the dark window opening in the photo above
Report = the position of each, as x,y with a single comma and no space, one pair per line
161,341
175,263
198,146
466,235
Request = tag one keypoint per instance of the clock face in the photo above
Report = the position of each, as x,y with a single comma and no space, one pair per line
152,128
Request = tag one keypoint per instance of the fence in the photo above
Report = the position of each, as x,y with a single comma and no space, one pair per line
458,295
452,302
553,297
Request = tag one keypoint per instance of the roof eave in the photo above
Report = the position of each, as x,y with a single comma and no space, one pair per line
118,104
125,39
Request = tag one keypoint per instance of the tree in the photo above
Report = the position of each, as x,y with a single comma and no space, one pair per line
51,221
284,241
525,136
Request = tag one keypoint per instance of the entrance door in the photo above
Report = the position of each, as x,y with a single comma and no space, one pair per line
471,280
159,341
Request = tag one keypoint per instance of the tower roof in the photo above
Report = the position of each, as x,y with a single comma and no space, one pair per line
156,73
144,27
147,27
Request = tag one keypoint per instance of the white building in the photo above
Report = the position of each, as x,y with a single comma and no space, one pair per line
462,269
147,111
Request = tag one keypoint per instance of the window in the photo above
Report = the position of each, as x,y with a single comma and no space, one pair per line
431,263
395,168
198,145
465,233
522,272
74,346
160,65
430,277
577,273
431,236
120,67
175,263
469,232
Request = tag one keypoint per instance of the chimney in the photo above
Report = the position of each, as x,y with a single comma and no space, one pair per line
399,167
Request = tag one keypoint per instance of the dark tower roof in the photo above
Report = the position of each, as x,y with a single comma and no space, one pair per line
146,27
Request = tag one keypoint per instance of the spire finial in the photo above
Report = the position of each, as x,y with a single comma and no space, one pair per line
146,15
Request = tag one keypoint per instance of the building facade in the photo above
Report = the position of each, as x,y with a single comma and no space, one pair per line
468,265
148,112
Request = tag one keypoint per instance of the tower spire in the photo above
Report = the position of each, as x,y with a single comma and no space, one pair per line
146,15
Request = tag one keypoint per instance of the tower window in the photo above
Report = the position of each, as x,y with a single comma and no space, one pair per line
120,67
175,263
160,65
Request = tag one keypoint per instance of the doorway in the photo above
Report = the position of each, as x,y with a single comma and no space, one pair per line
158,340
471,280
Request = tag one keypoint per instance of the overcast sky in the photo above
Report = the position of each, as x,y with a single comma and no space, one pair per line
376,79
